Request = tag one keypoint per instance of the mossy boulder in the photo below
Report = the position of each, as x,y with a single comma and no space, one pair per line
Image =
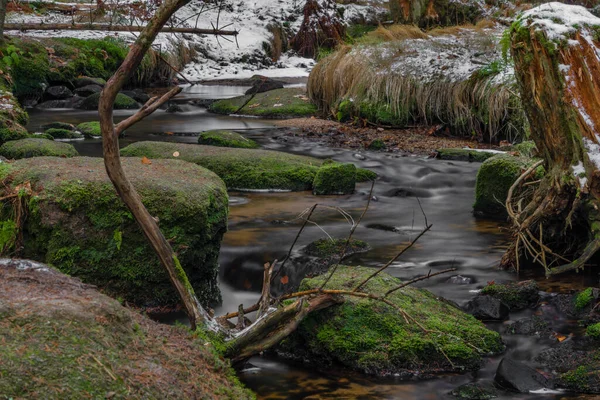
494,179
58,125
90,129
15,133
226,139
377,144
464,155
335,178
365,175
516,295
122,102
58,133
279,103
33,147
77,223
372,337
65,340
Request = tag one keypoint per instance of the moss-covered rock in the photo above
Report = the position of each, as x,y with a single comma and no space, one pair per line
68,341
593,331
377,144
516,295
475,391
122,102
526,149
494,178
365,175
16,133
239,168
464,155
90,129
226,139
58,125
335,178
58,133
584,299
373,337
279,103
33,147
327,248
77,223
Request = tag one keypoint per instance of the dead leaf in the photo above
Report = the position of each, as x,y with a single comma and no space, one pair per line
284,280
146,160
176,154
169,133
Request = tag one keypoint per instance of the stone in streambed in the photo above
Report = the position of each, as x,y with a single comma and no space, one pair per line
516,295
279,103
58,125
372,337
224,138
86,81
90,129
471,155
58,133
517,377
335,178
487,308
32,147
122,102
79,225
58,92
475,391
88,90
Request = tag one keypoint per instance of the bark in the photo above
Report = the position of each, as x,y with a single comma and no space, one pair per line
3,4
125,189
559,82
114,28
321,28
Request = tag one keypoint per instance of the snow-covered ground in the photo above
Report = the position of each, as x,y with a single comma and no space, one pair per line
218,58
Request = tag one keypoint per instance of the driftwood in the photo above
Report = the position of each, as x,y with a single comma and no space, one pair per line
114,28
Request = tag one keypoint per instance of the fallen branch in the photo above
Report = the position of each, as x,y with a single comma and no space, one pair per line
151,105
113,28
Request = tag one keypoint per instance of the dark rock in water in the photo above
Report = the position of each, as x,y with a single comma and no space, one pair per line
72,102
534,326
59,92
28,103
137,94
475,391
516,295
579,305
517,377
406,192
460,280
122,102
86,80
88,90
205,103
174,108
263,84
487,308
58,125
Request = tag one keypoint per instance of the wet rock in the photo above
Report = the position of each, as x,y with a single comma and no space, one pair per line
517,377
137,94
487,308
534,326
57,133
464,155
90,130
88,90
174,108
475,391
263,84
86,81
58,92
409,192
59,125
223,138
122,102
278,103
73,102
580,305
516,295
359,156
460,280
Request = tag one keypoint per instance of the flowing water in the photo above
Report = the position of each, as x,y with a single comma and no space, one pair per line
263,225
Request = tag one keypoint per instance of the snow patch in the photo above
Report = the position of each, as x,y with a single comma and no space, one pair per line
579,172
560,21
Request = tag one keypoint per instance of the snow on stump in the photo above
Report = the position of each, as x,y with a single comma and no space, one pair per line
76,222
556,50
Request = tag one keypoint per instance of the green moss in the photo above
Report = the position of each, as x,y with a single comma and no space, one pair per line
474,391
16,133
584,299
73,222
576,379
335,179
593,331
365,175
226,139
34,147
58,133
90,129
372,337
59,125
122,102
516,295
494,178
377,144
344,111
326,247
526,149
279,103
464,155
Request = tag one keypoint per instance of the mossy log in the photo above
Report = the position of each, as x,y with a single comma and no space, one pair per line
556,51
76,222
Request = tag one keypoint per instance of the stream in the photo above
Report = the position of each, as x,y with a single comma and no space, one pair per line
263,225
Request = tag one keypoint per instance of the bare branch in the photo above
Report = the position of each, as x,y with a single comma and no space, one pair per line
265,299
151,105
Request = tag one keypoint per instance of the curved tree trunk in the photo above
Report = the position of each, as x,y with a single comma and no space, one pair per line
556,52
